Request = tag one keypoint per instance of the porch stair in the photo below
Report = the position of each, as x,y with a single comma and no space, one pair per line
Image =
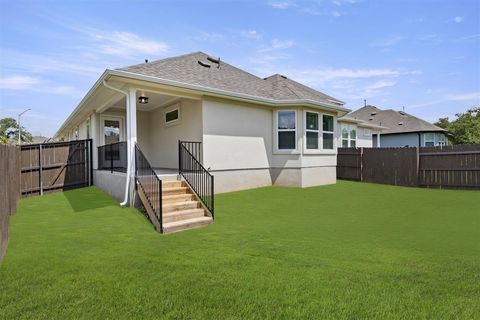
181,210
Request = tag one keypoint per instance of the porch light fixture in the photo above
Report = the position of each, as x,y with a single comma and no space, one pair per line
143,100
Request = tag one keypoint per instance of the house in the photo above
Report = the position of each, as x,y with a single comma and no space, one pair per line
208,120
358,133
400,129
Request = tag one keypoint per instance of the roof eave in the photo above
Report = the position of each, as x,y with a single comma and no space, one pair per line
337,106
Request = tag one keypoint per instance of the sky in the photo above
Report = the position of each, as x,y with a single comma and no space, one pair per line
423,56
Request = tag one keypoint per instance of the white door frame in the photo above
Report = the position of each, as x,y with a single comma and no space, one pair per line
121,121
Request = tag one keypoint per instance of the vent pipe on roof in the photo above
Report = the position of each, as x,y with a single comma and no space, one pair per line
203,64
146,60
364,102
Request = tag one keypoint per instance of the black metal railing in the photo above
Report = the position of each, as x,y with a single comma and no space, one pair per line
151,185
199,179
113,157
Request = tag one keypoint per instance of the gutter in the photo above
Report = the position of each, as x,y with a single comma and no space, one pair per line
129,157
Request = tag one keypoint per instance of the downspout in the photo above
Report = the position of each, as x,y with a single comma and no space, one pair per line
419,139
129,162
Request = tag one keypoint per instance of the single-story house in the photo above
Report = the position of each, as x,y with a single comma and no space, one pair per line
400,129
196,113
358,133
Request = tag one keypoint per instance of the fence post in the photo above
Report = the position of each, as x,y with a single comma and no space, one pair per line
418,165
40,164
361,164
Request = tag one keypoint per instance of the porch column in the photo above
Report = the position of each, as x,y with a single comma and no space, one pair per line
378,139
132,139
95,136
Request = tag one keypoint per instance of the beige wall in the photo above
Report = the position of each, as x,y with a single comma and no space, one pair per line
239,147
160,141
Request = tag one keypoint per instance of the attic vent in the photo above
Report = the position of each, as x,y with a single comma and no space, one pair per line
371,118
401,112
373,113
203,64
400,123
283,76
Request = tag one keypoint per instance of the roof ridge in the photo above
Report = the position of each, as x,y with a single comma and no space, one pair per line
162,60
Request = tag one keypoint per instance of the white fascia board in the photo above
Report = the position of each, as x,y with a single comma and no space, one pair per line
229,94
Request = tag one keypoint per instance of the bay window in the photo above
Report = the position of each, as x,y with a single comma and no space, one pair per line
312,130
429,139
318,131
327,132
286,130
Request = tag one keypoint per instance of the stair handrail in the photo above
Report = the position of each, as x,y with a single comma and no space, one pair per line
200,180
143,171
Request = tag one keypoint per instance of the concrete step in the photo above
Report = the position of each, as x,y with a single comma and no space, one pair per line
182,215
176,226
180,205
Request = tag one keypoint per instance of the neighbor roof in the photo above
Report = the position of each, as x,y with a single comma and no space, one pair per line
198,69
396,121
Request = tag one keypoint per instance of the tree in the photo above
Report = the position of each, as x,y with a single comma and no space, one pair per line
9,131
465,129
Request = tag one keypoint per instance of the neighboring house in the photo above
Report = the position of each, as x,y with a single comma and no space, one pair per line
39,139
358,133
400,128
254,132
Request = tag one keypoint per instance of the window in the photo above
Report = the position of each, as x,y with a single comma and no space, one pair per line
171,116
312,130
349,136
327,132
367,132
442,141
286,130
429,139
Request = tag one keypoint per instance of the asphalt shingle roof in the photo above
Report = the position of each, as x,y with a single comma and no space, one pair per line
223,76
392,119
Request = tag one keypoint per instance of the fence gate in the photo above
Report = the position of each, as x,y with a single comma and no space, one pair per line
57,166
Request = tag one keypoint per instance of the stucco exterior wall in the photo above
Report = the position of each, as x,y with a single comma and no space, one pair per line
239,147
162,139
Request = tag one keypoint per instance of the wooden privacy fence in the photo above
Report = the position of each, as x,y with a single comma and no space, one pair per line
441,167
9,189
49,167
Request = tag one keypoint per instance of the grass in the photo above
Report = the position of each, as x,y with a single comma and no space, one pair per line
349,250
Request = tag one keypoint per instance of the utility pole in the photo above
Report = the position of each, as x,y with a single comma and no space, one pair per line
20,127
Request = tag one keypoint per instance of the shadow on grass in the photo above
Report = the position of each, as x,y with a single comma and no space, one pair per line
88,199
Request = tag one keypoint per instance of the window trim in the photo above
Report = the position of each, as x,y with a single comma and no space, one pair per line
276,130
320,149
169,109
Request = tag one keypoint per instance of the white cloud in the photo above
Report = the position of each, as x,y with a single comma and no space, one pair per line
387,42
458,19
336,14
281,4
127,44
251,34
469,96
281,44
18,82
342,2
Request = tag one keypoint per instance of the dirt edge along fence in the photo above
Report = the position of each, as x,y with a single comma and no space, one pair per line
9,190
57,166
453,167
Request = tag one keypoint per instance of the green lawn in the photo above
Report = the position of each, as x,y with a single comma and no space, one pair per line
349,250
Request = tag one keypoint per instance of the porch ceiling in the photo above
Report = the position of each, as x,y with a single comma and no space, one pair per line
155,100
